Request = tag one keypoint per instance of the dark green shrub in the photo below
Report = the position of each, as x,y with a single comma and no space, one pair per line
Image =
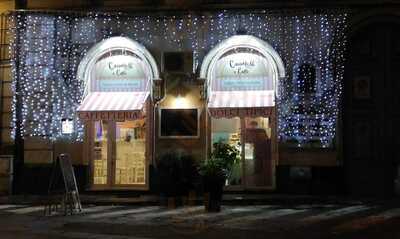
215,171
177,173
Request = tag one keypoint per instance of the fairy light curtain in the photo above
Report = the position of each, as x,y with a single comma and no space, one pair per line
47,49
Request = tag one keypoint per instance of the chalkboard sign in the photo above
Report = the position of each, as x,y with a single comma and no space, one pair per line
71,195
68,173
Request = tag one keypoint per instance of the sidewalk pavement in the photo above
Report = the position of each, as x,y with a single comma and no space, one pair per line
234,222
228,199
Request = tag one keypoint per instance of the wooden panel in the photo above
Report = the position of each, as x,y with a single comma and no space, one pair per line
119,3
4,167
7,37
395,130
365,47
6,5
38,156
50,4
7,104
5,72
393,72
73,149
368,121
37,143
6,120
364,131
4,185
196,146
394,101
394,43
5,52
308,158
7,92
6,136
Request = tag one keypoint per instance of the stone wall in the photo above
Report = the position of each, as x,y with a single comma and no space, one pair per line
6,143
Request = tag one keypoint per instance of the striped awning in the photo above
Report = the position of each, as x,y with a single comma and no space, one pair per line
113,105
241,103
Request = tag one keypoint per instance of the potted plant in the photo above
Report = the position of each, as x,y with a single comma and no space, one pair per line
228,154
215,171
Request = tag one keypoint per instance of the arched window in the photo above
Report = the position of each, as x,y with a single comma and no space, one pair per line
137,63
244,46
118,74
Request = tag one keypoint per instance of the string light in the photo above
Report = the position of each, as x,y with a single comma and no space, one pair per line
47,49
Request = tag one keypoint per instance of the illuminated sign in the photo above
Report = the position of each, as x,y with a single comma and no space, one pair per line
121,85
119,69
111,115
242,83
240,112
67,126
119,73
242,71
241,67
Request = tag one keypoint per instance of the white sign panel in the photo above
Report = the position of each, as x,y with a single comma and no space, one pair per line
119,73
67,126
242,71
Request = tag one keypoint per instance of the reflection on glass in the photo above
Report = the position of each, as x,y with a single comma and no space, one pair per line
100,153
258,164
130,152
228,131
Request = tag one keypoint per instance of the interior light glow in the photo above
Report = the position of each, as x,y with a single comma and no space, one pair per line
67,126
180,102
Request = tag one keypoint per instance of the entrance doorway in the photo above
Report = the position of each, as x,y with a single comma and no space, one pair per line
118,75
371,113
252,137
241,75
118,154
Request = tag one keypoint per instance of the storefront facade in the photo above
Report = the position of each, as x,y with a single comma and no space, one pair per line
117,113
136,87
242,74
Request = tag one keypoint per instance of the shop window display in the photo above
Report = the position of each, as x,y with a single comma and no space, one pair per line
119,152
228,130
253,141
100,152
130,152
257,148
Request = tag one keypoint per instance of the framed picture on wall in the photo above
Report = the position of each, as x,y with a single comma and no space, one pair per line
362,87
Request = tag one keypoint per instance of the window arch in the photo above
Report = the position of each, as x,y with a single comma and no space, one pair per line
116,45
246,42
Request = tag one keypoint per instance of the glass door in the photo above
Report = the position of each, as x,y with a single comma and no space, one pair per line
100,153
228,130
252,137
130,150
257,152
119,154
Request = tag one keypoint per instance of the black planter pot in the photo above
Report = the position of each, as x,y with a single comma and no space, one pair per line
213,189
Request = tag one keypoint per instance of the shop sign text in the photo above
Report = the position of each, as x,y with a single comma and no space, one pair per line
241,67
110,115
240,112
119,69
